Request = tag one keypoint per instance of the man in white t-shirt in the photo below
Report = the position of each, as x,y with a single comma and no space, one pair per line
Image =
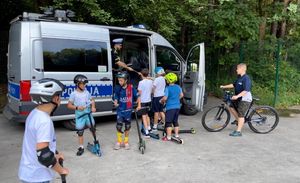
159,85
39,154
145,89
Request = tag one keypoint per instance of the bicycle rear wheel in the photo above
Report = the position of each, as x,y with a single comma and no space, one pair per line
216,118
263,119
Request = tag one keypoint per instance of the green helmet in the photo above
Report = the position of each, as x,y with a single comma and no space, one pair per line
171,77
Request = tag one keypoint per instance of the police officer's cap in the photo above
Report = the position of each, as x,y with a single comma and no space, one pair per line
118,41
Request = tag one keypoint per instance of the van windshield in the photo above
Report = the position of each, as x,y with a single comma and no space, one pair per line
73,55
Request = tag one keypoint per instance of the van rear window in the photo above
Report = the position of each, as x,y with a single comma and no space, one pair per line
73,55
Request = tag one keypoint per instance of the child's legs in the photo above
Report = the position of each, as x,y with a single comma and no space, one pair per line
119,127
175,122
127,129
163,117
127,122
80,124
145,121
156,108
169,122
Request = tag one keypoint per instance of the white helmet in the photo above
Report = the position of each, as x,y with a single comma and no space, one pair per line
43,90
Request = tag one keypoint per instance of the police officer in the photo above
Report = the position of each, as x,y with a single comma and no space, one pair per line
118,64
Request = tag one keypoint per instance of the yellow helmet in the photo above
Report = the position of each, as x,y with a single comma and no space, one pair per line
171,77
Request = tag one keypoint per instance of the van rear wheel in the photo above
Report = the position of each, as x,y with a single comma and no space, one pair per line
189,110
70,124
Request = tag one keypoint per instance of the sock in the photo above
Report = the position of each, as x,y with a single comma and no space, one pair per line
149,127
169,137
177,136
155,126
126,140
146,131
81,146
119,137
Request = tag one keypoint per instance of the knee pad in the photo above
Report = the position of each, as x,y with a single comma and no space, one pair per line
168,125
175,124
119,127
80,133
127,126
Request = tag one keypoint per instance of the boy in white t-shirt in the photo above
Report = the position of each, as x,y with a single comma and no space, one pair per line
145,89
159,85
81,101
39,154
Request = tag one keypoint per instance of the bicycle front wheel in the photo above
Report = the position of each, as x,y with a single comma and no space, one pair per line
216,119
263,119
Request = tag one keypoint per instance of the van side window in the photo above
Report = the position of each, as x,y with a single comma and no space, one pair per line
74,55
167,59
193,60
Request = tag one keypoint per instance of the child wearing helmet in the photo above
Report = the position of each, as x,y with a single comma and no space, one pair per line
158,89
144,89
82,102
124,97
172,96
40,157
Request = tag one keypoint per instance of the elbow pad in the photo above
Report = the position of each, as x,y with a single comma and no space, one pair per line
46,157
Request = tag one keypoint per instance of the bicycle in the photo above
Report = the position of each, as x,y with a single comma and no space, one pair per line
260,119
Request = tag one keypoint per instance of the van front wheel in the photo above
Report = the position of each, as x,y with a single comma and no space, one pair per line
189,110
70,124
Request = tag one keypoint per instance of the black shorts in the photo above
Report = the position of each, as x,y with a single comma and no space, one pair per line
241,107
145,108
172,117
156,105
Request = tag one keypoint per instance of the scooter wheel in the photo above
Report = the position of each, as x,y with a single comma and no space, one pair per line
144,145
142,149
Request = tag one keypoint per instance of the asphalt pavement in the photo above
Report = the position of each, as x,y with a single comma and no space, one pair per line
204,156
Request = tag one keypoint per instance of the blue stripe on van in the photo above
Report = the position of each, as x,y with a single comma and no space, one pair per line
95,90
14,90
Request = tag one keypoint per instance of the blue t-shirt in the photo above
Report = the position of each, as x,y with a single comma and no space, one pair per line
243,83
172,92
121,97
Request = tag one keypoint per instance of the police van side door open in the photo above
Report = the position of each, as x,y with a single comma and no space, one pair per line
194,79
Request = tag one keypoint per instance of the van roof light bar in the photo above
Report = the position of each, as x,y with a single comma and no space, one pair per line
49,14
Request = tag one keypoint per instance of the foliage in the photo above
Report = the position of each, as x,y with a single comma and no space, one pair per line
233,31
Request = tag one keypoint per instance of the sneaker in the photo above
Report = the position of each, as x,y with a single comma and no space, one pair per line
154,129
160,123
235,122
165,138
235,134
126,146
147,136
117,146
80,151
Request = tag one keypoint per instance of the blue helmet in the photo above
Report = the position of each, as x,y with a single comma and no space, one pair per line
159,70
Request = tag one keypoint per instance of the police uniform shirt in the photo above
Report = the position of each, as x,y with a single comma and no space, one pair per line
115,58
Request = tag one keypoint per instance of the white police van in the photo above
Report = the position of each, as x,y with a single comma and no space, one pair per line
41,46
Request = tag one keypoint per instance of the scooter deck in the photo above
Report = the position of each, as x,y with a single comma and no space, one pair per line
94,148
192,130
177,140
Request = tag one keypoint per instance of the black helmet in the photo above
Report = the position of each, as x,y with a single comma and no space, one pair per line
122,75
79,78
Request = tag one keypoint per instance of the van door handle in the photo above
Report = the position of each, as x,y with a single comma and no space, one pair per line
105,79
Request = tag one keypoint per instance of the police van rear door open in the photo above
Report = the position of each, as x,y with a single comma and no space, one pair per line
194,79
71,49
